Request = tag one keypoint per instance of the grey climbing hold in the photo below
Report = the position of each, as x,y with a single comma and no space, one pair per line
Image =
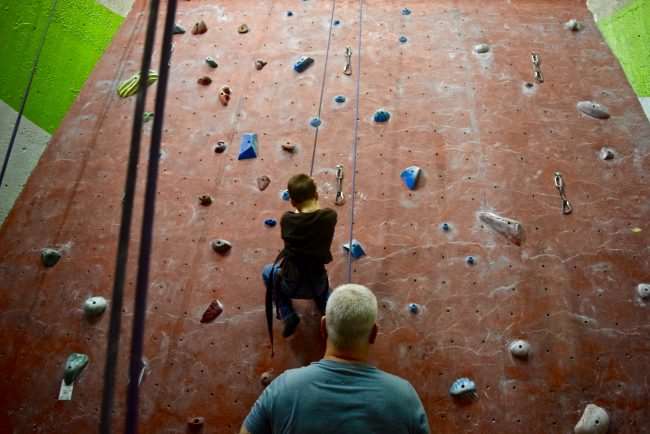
204,81
285,195
248,146
178,30
340,99
606,153
220,147
147,116
470,260
266,378
263,182
462,386
410,176
414,308
289,13
529,85
519,349
75,363
406,11
221,246
199,28
594,420
270,222
50,256
511,229
211,62
303,63
356,251
573,25
95,306
381,116
481,48
445,227
242,29
403,39
205,200
337,23
593,109
315,122
260,64
643,289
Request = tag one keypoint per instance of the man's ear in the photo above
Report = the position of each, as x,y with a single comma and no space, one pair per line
323,327
373,334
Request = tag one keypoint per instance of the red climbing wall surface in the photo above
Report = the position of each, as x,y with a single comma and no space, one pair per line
485,142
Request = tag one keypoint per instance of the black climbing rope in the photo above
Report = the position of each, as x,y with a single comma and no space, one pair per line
146,237
322,89
125,227
28,88
354,142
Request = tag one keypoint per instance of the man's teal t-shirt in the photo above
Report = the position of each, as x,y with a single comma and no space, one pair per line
341,398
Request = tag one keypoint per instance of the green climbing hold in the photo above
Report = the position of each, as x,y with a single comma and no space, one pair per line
131,86
147,116
73,366
211,62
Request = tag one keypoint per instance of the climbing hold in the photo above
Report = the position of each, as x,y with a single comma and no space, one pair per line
50,257
259,64
511,229
337,23
204,81
643,289
381,116
147,116
266,378
242,29
73,366
224,95
445,227
205,200
481,48
339,99
356,251
220,147
594,420
414,308
303,63
221,246
131,86
529,85
263,182
248,146
470,260
195,424
289,13
462,386
315,122
199,28
406,11
519,349
606,154
289,147
285,195
212,312
211,62
410,176
178,30
95,306
573,25
403,39
270,222
593,109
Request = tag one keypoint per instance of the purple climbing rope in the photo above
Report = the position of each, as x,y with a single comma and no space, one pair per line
355,141
322,89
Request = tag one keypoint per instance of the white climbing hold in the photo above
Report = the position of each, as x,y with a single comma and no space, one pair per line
594,420
520,349
573,25
511,229
481,48
606,153
95,306
643,289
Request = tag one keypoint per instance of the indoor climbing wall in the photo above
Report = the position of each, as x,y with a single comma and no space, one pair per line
527,220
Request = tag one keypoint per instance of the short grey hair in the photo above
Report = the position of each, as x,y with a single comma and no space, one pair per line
350,314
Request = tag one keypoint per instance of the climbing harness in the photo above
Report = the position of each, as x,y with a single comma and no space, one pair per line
348,61
559,184
340,198
537,67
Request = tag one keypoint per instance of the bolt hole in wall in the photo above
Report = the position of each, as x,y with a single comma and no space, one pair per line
427,246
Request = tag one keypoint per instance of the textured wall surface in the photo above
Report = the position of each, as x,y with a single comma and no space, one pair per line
485,141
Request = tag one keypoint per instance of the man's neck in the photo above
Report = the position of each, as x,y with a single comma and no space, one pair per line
346,356
310,206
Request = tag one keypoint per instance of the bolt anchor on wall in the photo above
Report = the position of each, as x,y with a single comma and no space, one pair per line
348,61
537,67
559,184
340,198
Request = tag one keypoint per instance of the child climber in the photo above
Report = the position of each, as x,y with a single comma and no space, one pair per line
299,270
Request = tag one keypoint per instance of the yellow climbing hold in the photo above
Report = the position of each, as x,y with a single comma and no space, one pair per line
130,87
636,230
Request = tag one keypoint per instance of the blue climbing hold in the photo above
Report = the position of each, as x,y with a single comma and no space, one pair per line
410,176
315,122
337,22
403,39
462,386
356,250
270,222
414,308
406,11
381,116
303,63
470,260
445,227
285,195
289,13
339,99
248,146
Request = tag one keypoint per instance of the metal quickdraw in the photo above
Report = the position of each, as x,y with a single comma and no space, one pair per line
348,61
537,67
559,184
340,198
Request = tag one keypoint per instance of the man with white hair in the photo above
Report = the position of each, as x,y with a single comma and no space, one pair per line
341,393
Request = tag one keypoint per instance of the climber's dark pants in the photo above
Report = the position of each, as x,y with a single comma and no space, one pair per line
272,280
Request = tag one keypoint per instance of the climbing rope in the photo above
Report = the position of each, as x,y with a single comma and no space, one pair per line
355,142
23,103
322,89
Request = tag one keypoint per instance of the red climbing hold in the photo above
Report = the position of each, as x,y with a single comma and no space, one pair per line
204,81
259,64
199,28
263,182
288,147
224,95
212,312
195,424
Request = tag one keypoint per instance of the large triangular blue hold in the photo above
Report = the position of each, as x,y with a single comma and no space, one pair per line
356,251
248,146
410,176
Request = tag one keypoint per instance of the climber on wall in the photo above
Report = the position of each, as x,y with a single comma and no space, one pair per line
299,270
342,393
